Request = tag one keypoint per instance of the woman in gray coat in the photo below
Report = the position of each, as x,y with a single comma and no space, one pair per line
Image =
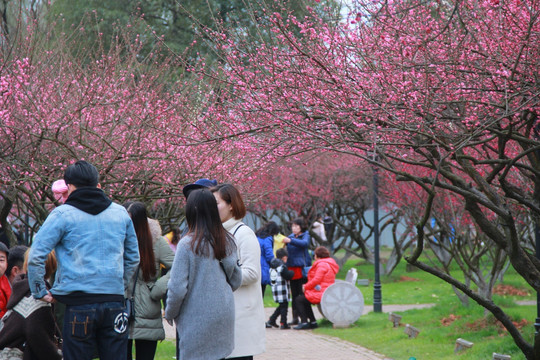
149,290
204,275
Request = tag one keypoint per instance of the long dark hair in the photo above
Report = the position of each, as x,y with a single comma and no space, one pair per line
139,216
205,226
270,229
232,196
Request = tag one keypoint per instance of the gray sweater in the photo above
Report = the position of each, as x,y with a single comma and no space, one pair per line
201,303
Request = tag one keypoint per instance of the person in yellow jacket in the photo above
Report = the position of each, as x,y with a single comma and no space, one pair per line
172,238
274,230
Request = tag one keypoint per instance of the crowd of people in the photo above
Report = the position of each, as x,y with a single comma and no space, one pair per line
100,277
292,275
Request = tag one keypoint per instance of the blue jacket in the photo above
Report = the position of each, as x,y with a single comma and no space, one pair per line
297,250
267,254
97,254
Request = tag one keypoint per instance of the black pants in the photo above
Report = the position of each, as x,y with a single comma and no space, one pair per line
263,288
280,310
177,346
304,309
144,349
242,358
296,290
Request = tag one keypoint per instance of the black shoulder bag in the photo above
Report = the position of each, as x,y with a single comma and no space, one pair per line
221,264
130,301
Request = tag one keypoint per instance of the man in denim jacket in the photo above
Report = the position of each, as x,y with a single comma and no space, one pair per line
97,251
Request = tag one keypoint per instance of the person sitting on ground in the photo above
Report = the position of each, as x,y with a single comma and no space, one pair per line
321,275
29,326
5,287
279,280
15,262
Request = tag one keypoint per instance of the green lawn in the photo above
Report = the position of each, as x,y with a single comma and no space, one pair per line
436,340
165,350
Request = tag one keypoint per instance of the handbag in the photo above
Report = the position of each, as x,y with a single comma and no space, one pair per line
130,301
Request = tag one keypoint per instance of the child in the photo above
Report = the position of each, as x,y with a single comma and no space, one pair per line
5,287
29,327
279,280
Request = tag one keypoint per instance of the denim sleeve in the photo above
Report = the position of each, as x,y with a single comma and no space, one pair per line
48,236
131,253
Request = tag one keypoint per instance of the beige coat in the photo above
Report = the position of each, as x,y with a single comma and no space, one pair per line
249,330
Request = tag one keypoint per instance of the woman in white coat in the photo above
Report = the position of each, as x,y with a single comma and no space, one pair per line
249,329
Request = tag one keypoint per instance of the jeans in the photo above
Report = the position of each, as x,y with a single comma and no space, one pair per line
100,325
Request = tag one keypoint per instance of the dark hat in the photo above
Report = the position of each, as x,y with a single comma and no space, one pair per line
199,184
3,248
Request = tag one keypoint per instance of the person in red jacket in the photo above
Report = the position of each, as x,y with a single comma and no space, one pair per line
5,287
321,275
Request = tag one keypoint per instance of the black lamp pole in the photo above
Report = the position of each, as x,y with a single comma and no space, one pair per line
377,296
537,322
536,134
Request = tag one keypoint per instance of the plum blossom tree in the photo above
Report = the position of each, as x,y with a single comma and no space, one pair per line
453,237
446,94
314,184
112,109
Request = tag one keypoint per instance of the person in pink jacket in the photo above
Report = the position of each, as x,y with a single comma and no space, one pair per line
321,275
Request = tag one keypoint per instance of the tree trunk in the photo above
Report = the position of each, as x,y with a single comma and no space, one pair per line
527,349
5,207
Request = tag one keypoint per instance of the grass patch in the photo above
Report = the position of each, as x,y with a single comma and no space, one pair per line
166,350
439,326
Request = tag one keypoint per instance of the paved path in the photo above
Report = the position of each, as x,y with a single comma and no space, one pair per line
305,344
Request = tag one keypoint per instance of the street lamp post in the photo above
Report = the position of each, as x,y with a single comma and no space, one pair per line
536,134
537,322
377,296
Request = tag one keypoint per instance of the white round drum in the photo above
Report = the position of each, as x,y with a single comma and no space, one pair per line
342,303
